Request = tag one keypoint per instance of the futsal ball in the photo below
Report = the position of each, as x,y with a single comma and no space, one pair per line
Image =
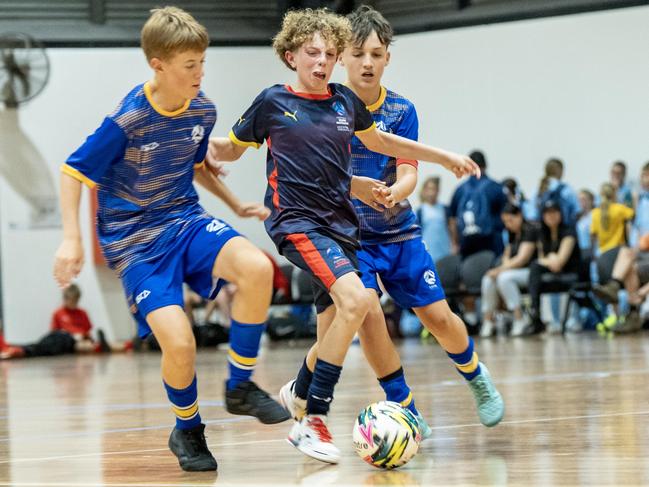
386,435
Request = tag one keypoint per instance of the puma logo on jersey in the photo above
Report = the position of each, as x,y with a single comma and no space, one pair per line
241,120
143,295
291,115
198,132
149,147
381,126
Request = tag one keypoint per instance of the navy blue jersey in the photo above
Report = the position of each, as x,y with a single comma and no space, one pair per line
308,163
142,158
397,115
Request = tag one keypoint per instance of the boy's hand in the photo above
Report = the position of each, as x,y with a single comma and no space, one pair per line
385,196
68,261
461,165
370,191
216,168
256,210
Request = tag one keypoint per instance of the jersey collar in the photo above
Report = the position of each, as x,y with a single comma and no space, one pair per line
160,110
377,104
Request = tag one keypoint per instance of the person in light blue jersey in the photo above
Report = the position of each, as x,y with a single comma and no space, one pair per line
624,195
433,220
144,160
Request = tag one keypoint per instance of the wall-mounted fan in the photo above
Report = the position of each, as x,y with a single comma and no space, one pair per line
24,68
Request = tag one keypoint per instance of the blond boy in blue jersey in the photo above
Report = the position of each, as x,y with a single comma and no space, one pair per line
144,159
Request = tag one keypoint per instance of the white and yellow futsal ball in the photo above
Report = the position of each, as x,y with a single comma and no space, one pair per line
386,435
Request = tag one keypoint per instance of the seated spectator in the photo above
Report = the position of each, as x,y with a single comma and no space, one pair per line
586,204
433,220
608,224
623,191
558,253
70,332
506,279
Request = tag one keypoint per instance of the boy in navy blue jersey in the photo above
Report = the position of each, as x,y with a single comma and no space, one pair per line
308,127
392,247
144,159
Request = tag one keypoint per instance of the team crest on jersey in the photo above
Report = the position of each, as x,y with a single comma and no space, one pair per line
198,132
339,108
430,278
381,126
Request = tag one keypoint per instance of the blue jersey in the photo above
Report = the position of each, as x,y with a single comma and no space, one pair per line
142,160
308,164
394,114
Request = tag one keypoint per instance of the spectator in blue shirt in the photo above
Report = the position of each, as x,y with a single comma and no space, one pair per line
433,220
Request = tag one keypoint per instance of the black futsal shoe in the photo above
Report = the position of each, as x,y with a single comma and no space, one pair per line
249,400
191,449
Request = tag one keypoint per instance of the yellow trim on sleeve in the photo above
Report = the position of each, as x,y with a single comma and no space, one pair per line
72,172
241,359
377,104
371,127
159,109
199,164
242,143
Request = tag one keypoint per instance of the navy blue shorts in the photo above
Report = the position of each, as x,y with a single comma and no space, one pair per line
159,283
324,258
406,269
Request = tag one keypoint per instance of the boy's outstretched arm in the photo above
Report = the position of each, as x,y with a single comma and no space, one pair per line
222,149
395,146
210,180
68,259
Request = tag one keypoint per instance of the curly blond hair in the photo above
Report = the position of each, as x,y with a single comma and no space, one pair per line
170,30
299,26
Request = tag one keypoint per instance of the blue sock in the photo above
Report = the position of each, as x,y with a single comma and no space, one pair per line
184,404
244,347
397,390
303,381
467,363
321,391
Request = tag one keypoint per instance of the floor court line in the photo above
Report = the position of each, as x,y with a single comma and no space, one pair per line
258,442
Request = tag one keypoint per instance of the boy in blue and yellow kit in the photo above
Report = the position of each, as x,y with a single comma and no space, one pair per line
144,159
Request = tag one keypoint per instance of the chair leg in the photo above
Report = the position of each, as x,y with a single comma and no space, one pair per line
566,312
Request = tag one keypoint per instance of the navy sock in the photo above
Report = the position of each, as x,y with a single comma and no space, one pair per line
303,381
321,391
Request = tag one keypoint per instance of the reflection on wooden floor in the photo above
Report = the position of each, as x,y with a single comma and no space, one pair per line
577,414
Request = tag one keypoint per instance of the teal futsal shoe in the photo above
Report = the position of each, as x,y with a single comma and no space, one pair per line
424,429
491,407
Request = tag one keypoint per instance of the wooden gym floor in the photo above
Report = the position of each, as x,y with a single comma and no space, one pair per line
577,414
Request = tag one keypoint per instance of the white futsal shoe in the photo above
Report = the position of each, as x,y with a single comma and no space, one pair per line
312,437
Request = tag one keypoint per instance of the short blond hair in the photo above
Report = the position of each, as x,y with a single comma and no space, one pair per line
299,26
171,30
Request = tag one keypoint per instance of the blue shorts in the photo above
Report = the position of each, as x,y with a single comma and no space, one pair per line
406,269
324,258
159,283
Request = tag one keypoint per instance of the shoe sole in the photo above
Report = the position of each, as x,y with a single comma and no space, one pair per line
323,457
263,420
192,468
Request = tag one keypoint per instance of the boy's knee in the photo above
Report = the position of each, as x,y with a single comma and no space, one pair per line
355,303
181,352
256,271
